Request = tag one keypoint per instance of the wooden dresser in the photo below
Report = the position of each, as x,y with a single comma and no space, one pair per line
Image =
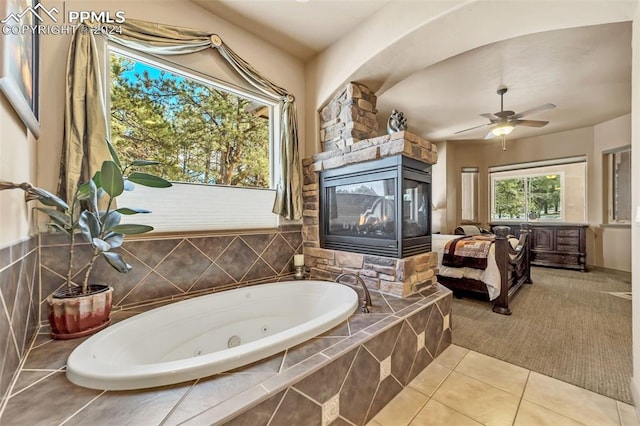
562,245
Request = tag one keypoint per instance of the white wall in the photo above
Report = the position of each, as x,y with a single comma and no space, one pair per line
17,164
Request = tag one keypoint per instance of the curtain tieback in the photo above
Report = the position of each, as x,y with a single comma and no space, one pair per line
216,40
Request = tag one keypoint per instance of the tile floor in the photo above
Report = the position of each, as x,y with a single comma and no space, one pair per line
463,387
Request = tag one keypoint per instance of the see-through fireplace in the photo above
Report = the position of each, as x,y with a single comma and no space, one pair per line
380,207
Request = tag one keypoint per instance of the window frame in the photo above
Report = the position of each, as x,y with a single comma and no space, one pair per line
186,72
526,177
473,198
562,161
215,208
610,185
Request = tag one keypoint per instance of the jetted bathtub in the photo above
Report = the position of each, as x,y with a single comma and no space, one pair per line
208,334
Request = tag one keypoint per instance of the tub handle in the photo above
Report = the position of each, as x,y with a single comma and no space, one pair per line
367,297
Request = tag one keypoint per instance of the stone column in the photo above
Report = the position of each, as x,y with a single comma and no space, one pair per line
350,116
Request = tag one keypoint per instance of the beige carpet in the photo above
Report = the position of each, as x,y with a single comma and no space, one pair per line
573,326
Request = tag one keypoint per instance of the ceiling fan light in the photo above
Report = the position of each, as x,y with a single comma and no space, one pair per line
503,129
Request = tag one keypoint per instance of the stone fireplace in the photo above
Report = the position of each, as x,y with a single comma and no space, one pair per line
351,146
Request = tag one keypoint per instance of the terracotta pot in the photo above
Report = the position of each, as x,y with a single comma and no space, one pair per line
72,314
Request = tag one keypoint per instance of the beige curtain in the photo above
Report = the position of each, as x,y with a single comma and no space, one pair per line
162,39
85,122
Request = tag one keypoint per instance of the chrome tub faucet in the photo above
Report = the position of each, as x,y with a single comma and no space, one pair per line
367,297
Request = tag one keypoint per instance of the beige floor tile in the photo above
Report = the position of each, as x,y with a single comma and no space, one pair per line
571,401
373,423
478,400
430,378
628,416
437,414
531,414
505,376
402,408
451,356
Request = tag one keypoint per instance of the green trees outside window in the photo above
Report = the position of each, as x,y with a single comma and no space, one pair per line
527,197
199,133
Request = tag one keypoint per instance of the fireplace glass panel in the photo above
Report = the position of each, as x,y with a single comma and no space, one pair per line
365,209
415,208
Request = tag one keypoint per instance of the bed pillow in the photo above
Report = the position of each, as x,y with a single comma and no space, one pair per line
468,230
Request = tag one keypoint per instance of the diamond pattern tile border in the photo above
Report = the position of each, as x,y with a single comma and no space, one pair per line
366,384
182,266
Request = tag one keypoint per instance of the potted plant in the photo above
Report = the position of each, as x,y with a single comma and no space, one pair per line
80,309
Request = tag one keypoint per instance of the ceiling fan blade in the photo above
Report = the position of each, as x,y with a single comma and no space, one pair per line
530,123
504,114
533,110
489,116
472,128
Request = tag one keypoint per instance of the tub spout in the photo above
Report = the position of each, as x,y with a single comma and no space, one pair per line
367,297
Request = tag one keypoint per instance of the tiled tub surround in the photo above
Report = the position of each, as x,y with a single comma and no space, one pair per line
19,294
342,377
167,268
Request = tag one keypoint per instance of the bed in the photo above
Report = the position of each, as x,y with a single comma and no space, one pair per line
506,264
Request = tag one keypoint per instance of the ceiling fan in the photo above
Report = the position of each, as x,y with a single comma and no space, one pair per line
503,122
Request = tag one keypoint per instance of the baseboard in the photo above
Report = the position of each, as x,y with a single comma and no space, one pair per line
609,270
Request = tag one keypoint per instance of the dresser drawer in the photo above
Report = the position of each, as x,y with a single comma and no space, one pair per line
568,244
555,259
568,233
570,248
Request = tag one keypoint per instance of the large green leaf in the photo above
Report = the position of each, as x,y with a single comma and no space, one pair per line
57,216
89,225
60,228
96,179
149,180
101,245
143,163
114,240
47,198
88,191
131,229
117,262
111,220
130,210
114,154
111,179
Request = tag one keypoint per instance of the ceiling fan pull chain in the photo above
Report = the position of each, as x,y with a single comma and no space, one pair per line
504,143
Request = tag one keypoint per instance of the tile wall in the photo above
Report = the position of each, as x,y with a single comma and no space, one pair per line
163,268
19,294
175,267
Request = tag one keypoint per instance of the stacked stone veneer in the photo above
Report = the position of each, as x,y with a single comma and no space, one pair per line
350,116
400,277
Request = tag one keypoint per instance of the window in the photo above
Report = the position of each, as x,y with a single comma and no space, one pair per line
199,130
619,185
545,191
213,140
469,191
